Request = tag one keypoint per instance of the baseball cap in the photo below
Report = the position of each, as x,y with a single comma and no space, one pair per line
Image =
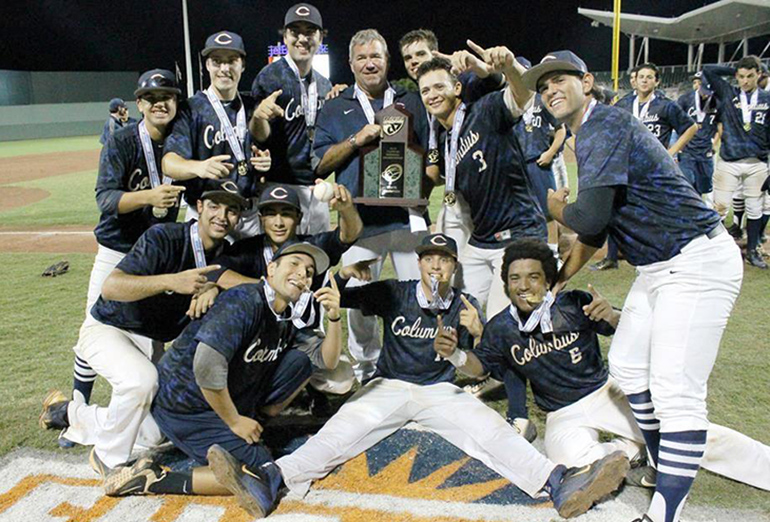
320,259
705,88
523,61
157,80
282,194
303,13
226,192
555,61
116,103
437,243
224,40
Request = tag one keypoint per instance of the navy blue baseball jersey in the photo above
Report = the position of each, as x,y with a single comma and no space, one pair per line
409,330
492,176
562,366
656,211
122,168
342,117
198,135
701,145
737,142
289,144
663,116
112,125
535,130
163,249
246,331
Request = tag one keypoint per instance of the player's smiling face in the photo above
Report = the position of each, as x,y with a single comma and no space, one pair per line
279,222
302,40
439,93
225,69
747,79
290,275
565,95
437,264
527,284
158,108
369,63
414,55
216,219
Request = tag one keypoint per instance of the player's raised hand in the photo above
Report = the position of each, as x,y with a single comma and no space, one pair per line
469,318
368,134
336,90
268,108
202,300
599,309
497,58
465,61
247,428
260,159
216,167
445,342
190,281
329,298
342,199
164,196
361,270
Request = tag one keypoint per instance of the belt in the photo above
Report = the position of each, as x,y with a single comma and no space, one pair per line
716,231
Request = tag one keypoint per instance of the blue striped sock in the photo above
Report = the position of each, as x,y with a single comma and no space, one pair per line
644,413
83,381
679,458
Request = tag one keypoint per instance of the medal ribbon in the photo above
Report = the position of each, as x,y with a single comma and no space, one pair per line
746,106
366,105
700,112
540,316
197,244
438,303
450,150
227,127
298,308
588,111
641,114
149,157
309,93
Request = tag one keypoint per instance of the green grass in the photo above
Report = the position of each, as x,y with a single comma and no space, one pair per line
24,147
40,320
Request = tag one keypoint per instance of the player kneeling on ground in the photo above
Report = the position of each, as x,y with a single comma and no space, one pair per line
413,383
552,341
231,370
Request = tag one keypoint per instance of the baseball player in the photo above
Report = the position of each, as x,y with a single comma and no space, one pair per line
118,119
552,342
290,94
689,270
662,117
745,142
230,371
247,262
131,193
483,160
145,301
422,319
696,161
210,140
346,124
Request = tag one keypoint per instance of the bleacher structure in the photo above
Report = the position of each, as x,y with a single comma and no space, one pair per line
721,23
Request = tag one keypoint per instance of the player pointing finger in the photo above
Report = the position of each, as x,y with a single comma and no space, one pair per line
269,108
469,318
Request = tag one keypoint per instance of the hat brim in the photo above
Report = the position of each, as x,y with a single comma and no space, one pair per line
171,90
223,196
208,50
320,259
269,202
533,75
424,249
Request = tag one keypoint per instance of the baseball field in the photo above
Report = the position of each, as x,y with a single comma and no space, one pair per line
47,212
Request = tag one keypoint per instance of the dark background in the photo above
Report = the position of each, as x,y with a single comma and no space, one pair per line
127,35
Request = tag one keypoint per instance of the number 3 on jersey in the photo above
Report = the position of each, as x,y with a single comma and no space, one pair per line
479,156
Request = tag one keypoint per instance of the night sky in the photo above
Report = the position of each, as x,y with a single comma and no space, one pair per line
114,35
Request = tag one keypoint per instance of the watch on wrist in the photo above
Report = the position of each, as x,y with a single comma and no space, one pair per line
352,141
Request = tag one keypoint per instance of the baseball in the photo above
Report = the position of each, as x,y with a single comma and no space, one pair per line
323,192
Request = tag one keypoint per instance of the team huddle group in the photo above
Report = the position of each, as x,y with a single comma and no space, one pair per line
243,291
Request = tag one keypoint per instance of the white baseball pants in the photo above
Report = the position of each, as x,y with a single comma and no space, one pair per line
729,175
364,332
385,405
455,222
481,277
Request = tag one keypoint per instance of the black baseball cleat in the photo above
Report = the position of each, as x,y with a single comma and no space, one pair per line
257,493
754,258
642,477
605,264
645,518
97,465
135,479
577,489
54,414
736,231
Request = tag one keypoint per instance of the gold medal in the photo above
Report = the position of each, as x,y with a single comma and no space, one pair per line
433,156
528,128
747,126
159,212
450,198
242,168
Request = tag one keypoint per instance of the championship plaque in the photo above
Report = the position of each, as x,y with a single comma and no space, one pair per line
391,172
